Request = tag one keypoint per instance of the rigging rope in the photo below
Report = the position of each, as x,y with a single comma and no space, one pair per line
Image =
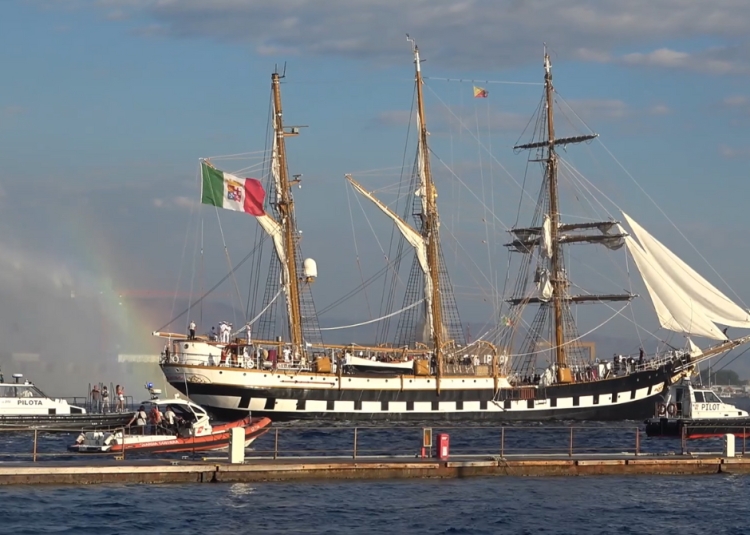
372,321
632,178
463,80
256,318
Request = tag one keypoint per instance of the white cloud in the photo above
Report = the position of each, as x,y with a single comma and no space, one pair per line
659,109
736,101
158,203
600,108
184,202
463,33
716,60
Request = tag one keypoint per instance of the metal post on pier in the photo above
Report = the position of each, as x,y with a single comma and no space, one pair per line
570,444
637,441
276,444
355,443
683,445
36,434
502,442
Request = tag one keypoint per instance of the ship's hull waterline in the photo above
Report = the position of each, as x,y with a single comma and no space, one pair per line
231,392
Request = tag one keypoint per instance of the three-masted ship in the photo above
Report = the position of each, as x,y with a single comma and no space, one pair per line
433,373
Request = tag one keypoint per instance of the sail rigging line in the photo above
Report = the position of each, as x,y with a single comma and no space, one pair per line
472,81
571,341
260,234
484,195
184,250
388,297
257,317
505,227
460,122
632,178
373,320
356,248
355,291
229,263
239,155
221,281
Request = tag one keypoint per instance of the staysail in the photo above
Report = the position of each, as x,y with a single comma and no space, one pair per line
685,302
416,240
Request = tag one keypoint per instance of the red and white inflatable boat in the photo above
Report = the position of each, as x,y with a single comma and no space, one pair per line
190,430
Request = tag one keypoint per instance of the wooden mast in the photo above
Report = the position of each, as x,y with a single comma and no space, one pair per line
286,213
557,279
430,221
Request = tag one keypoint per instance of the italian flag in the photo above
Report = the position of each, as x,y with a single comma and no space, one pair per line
230,192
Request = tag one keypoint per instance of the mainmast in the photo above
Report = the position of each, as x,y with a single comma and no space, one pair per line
557,278
430,217
285,206
548,238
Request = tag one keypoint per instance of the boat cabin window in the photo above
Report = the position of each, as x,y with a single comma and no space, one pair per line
699,397
710,397
20,391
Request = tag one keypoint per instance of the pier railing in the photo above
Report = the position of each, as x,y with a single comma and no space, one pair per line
402,441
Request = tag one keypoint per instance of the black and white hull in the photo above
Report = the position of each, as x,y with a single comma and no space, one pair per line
285,395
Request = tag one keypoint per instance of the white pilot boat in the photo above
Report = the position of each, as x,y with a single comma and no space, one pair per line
191,431
24,406
696,412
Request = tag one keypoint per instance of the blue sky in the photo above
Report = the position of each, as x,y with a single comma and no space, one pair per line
106,106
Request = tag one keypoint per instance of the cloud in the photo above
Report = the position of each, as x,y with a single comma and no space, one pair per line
600,108
735,101
458,33
9,111
659,109
716,60
177,202
732,152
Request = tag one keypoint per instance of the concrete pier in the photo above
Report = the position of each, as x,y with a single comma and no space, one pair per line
297,469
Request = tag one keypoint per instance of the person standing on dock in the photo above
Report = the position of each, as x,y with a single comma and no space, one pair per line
96,405
191,331
105,399
119,399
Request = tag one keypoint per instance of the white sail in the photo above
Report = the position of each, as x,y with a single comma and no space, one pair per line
422,188
420,247
547,236
544,286
712,302
673,308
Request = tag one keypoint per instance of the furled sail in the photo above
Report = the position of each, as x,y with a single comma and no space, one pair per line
274,230
547,236
420,247
684,301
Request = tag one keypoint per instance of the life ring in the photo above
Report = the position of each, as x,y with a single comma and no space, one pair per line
174,359
671,409
661,409
250,364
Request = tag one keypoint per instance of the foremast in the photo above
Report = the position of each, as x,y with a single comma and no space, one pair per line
285,207
549,237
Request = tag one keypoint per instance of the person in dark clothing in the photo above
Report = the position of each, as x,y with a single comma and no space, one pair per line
640,355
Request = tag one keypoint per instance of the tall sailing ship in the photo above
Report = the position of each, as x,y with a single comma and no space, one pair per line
431,372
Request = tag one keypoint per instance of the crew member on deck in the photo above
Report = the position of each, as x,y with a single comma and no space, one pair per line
249,333
191,331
